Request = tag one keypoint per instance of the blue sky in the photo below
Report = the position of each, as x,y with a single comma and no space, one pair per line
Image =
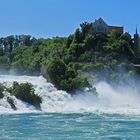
48,18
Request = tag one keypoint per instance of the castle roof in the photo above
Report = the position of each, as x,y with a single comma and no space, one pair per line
117,28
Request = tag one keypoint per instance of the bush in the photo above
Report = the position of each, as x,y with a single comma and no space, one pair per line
57,71
86,57
64,77
67,85
25,92
80,82
93,67
76,66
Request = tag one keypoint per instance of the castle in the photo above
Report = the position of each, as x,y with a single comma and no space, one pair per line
100,26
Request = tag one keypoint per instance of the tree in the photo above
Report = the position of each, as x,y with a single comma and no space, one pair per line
64,77
26,93
127,37
76,50
85,28
90,43
69,41
114,36
1,51
25,40
77,36
57,71
10,42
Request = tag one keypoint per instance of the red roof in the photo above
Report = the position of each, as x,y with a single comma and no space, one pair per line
118,28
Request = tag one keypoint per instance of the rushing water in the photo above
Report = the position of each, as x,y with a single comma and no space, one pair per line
56,126
113,114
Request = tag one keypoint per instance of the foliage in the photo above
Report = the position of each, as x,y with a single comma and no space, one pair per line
26,93
60,58
95,67
64,77
80,82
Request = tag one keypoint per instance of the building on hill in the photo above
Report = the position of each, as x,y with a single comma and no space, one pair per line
100,26
117,28
136,39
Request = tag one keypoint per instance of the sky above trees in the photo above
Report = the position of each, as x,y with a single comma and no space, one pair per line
48,18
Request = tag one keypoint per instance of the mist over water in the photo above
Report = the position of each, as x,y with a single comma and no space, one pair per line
121,100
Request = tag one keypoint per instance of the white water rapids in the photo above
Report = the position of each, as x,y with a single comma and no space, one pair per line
123,101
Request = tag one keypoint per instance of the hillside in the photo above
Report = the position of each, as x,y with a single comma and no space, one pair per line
69,62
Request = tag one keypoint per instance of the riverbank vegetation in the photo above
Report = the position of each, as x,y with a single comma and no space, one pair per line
65,60
23,91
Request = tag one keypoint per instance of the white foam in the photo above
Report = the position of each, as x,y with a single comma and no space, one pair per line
122,101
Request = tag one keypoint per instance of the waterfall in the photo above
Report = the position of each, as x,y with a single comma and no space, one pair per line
124,100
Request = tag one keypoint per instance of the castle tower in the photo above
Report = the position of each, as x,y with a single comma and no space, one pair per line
136,39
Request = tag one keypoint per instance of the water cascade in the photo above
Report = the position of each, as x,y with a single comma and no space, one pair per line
109,100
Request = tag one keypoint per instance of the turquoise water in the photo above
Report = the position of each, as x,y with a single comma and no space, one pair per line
55,126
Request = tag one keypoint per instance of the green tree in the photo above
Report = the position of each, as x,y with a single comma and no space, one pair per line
63,77
78,36
85,28
26,93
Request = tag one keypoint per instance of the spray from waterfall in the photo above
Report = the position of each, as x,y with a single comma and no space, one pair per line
123,99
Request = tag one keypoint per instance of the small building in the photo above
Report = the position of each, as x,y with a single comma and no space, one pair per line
100,26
